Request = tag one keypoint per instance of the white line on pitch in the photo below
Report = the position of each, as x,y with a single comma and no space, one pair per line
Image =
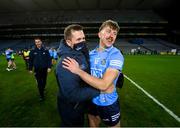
155,100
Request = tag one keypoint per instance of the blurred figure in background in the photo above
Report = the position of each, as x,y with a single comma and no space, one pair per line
26,57
55,56
40,60
10,59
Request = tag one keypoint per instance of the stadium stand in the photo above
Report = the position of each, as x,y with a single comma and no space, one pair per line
135,24
126,46
51,24
15,44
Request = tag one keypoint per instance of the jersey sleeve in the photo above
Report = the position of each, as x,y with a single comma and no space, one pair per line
116,60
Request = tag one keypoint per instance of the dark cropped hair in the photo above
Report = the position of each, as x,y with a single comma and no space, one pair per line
37,38
69,29
112,24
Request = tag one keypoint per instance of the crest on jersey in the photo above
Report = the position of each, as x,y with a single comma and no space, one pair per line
103,62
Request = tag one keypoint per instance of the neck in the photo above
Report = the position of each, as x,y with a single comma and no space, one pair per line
101,48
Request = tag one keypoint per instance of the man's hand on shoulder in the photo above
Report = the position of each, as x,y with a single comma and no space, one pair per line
71,64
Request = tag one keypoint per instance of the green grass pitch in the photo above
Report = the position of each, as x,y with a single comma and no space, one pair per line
158,75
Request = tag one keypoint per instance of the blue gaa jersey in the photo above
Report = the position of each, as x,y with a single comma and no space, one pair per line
100,61
51,52
8,54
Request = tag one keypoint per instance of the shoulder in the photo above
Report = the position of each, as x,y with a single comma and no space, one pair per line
31,51
116,59
62,71
62,57
93,51
115,56
115,52
47,51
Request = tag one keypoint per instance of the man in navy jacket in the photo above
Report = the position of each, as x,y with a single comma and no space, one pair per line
40,60
73,92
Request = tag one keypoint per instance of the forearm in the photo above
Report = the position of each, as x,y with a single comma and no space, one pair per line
71,88
97,83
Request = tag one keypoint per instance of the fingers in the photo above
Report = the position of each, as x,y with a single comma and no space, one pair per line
65,63
72,60
69,60
66,67
70,64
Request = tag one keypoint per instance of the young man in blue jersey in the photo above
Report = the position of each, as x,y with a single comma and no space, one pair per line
106,64
55,56
8,53
10,58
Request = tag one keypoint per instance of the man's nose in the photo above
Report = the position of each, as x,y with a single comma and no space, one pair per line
111,34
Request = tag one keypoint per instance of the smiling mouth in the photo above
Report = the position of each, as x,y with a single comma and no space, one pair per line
110,39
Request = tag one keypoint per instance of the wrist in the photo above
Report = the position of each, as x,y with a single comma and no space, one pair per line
79,72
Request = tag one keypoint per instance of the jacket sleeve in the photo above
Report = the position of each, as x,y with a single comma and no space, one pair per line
70,87
31,60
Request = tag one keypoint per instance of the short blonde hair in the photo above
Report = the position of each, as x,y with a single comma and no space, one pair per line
112,24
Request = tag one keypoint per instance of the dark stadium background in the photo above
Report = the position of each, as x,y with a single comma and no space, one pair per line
24,19
152,27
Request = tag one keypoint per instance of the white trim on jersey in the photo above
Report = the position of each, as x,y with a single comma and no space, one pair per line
116,63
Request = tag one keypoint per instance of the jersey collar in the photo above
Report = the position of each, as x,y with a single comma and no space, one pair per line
106,49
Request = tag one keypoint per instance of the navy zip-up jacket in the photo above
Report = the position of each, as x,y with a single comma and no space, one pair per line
39,58
71,87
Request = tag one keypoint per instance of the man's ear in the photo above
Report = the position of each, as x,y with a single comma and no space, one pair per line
99,34
69,43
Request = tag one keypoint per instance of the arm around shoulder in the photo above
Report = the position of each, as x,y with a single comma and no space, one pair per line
71,88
